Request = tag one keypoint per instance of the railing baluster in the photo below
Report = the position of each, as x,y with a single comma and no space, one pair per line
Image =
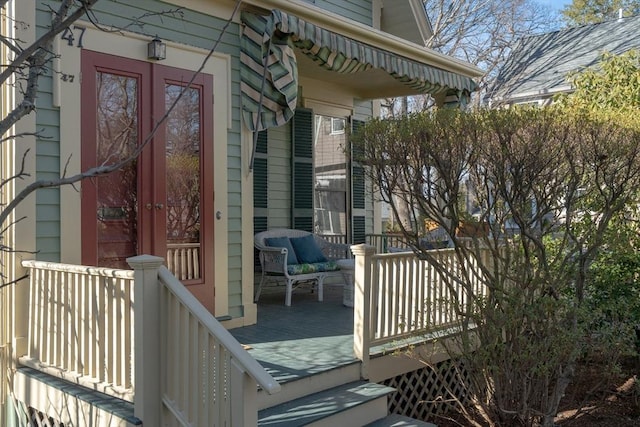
195,371
34,315
48,318
80,324
184,359
409,295
183,260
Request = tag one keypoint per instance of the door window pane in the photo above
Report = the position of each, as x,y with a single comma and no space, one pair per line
116,139
183,140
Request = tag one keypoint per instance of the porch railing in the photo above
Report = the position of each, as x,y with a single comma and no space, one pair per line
334,238
183,260
382,242
81,325
167,354
398,295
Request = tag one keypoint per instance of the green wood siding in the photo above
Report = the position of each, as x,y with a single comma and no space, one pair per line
47,221
280,177
358,10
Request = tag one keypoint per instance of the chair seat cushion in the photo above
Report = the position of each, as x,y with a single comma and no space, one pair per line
316,267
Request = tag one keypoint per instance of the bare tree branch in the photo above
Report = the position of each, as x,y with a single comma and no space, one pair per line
105,169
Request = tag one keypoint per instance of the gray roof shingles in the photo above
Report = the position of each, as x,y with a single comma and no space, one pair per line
540,64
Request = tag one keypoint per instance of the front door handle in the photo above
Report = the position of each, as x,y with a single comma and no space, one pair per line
159,206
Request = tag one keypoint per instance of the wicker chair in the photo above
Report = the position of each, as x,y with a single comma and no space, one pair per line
274,265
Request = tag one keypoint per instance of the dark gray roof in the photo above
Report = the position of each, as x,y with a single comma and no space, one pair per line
538,65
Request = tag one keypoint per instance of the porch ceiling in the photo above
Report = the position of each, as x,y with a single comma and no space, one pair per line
369,84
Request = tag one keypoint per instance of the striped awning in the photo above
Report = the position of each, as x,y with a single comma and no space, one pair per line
269,72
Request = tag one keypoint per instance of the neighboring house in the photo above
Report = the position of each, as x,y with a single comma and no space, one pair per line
205,185
538,66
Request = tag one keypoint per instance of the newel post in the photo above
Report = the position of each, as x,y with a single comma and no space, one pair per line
362,305
147,372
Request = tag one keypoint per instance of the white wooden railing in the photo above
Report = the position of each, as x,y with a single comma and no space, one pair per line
183,260
208,378
81,325
334,238
169,355
398,295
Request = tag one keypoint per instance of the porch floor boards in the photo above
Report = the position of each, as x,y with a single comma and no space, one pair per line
307,338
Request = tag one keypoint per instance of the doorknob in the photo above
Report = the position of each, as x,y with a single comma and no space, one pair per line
159,206
148,206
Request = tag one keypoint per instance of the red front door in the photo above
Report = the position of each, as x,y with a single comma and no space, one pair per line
162,202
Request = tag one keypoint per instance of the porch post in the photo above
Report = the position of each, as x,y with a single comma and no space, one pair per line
362,305
147,369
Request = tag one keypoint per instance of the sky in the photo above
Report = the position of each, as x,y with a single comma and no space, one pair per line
555,4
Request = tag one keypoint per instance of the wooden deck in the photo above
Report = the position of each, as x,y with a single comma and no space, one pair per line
304,339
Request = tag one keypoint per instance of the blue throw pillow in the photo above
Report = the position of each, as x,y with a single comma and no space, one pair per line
283,242
307,249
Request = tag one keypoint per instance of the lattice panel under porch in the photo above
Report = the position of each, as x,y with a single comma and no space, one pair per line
426,392
38,419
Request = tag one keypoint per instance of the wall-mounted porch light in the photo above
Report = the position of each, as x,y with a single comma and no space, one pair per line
156,49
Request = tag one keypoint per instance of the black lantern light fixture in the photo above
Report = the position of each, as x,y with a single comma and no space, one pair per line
156,49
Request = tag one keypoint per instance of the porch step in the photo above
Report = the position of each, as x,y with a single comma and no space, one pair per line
395,420
43,392
352,404
307,384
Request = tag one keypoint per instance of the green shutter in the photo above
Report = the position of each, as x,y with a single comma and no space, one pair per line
261,146
357,194
357,177
260,190
259,224
260,183
260,173
359,231
302,179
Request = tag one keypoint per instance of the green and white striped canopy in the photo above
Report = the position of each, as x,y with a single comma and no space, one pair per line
269,72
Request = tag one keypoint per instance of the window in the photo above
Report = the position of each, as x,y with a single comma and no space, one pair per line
335,206
330,172
337,125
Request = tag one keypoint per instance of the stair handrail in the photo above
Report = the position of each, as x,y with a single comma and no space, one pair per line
247,362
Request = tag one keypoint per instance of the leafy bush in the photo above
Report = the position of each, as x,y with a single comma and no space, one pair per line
548,183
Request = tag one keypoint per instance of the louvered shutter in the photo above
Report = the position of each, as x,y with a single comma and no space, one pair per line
358,215
302,169
260,189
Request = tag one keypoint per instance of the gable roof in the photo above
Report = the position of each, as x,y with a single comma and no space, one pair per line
406,19
538,65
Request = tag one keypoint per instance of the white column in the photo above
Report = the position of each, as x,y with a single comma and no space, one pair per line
147,367
362,305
